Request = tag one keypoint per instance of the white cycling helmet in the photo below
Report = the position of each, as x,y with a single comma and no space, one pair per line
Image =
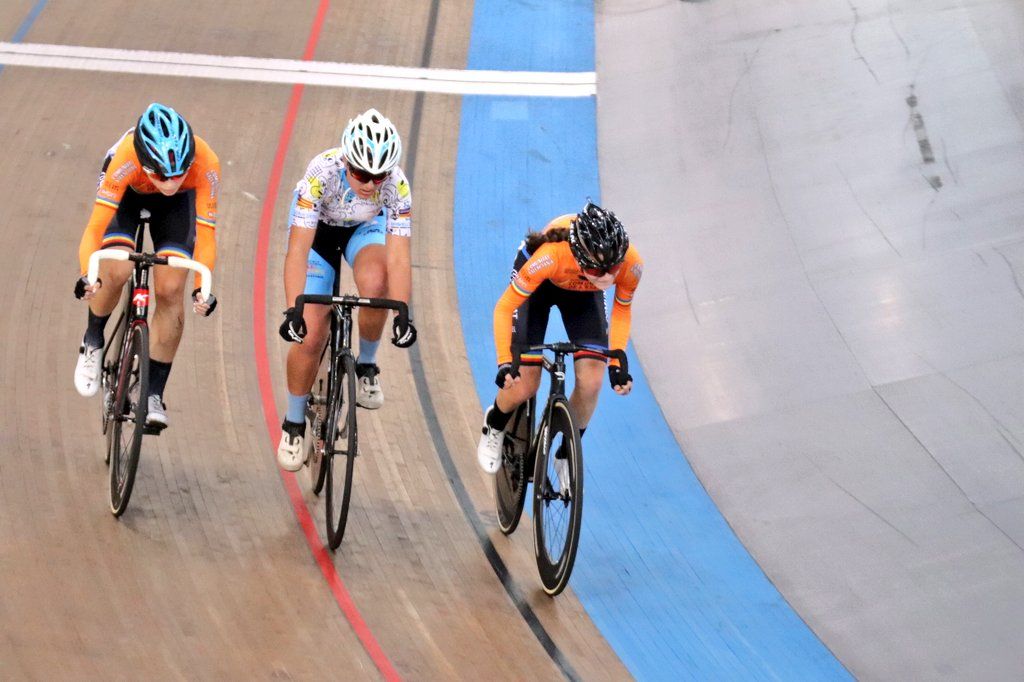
371,143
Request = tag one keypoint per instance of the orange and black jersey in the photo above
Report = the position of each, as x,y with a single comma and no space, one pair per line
123,171
554,262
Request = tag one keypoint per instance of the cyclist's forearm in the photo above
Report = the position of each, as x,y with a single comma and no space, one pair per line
618,335
92,238
399,262
294,277
296,258
205,250
506,306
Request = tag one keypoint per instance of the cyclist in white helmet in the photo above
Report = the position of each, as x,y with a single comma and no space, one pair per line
354,202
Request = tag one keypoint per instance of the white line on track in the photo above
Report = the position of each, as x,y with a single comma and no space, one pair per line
335,74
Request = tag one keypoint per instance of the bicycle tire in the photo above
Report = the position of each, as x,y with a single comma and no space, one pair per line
341,462
513,471
557,512
129,407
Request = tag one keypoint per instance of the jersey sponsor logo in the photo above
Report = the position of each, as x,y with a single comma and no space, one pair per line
576,285
637,270
214,180
316,187
105,192
314,269
403,189
541,263
124,170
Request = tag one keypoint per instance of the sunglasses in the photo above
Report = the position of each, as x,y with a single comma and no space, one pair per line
160,176
598,272
363,176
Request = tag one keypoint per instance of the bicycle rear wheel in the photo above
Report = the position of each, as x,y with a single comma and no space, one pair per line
108,376
340,447
128,416
557,502
514,470
316,415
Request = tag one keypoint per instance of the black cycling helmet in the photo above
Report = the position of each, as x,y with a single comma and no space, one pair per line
597,238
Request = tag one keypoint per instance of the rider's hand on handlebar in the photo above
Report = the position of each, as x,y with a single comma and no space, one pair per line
202,306
293,329
622,382
507,377
84,290
403,333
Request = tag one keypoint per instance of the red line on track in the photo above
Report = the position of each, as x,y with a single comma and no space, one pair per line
270,415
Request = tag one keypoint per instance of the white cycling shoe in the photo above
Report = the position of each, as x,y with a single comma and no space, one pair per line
369,394
291,451
488,450
87,371
156,413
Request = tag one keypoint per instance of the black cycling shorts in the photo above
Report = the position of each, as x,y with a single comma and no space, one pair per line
583,315
172,222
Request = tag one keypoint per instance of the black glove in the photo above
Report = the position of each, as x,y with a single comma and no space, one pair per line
80,284
504,370
617,377
212,301
293,329
403,334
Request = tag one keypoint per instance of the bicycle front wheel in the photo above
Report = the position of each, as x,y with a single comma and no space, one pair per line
340,447
128,416
513,472
557,497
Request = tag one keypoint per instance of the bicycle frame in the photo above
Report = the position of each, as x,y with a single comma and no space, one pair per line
556,368
341,373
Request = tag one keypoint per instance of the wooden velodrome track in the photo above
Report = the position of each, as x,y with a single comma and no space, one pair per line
208,575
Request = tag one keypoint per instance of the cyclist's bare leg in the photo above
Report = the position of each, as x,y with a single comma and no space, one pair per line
509,399
370,271
589,373
113,274
304,358
169,315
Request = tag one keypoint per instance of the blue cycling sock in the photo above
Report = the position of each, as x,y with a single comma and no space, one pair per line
297,408
367,351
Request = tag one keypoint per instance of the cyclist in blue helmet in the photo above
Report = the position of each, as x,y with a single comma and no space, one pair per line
164,142
161,167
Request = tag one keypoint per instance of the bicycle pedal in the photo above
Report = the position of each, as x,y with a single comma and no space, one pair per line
153,429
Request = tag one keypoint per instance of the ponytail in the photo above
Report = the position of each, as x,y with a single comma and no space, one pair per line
534,240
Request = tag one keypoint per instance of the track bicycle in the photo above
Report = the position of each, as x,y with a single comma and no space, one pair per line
124,374
331,409
550,456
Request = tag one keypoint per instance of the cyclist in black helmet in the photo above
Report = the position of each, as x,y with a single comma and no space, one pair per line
569,264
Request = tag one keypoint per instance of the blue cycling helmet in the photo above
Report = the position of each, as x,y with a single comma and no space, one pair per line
163,141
